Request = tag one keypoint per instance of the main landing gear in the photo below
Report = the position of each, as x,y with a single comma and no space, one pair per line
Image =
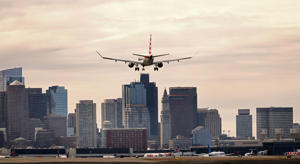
137,68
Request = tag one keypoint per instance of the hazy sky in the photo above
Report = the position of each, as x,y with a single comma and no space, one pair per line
245,53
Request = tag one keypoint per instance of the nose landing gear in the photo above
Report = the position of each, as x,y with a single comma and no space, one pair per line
155,68
137,69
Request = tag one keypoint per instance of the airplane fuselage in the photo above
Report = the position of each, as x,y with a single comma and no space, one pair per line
147,61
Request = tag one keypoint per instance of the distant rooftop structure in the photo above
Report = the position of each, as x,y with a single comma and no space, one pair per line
7,76
16,82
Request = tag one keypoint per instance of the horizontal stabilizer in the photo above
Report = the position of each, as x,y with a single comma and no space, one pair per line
160,55
141,55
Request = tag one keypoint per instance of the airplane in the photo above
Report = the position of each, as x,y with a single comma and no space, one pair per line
147,60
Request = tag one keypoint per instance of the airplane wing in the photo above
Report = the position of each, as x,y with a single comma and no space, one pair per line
171,60
121,60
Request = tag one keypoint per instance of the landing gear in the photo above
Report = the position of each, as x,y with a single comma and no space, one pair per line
143,69
155,68
137,69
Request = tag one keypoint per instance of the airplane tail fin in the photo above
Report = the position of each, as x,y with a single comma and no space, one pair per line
150,45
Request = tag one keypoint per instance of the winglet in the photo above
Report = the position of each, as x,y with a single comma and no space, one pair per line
99,54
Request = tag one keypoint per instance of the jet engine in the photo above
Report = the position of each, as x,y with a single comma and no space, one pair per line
130,65
160,65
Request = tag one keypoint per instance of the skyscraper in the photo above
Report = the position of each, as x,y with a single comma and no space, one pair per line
38,103
134,93
8,76
135,111
271,120
165,121
136,116
111,110
244,124
3,116
119,113
71,124
59,95
151,102
17,111
57,124
58,102
183,109
86,123
210,120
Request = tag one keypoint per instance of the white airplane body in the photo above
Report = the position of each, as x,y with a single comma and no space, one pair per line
148,60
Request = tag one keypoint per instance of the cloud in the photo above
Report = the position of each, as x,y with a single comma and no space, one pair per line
247,50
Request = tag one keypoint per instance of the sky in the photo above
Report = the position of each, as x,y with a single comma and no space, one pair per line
245,53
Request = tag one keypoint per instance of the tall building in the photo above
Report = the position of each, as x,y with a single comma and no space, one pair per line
59,95
151,102
8,76
58,101
210,120
135,138
38,103
136,116
119,113
134,93
71,129
244,124
17,111
86,123
56,123
165,121
71,120
201,136
33,124
135,111
271,120
183,109
3,116
111,110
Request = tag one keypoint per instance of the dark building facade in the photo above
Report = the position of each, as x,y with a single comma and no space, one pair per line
45,138
38,103
57,124
274,121
17,111
72,121
135,138
183,109
152,102
210,120
34,123
119,113
10,75
3,116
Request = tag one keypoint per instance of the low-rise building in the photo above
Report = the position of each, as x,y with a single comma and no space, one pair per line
180,142
201,136
135,138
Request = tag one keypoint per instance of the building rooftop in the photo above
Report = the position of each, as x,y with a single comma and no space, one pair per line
16,82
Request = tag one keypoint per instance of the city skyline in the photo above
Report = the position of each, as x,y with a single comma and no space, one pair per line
245,54
230,131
